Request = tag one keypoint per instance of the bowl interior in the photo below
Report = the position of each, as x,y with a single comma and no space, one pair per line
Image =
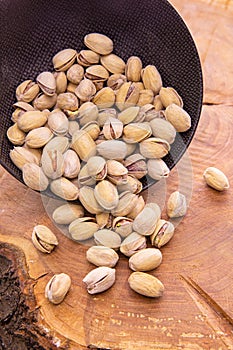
32,32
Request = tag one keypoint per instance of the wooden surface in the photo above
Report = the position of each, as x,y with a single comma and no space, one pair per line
196,310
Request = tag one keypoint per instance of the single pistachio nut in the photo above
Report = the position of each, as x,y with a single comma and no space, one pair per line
84,179
168,96
104,98
178,117
113,63
83,228
43,101
136,165
162,234
136,132
123,226
47,83
71,164
157,169
106,195
87,57
83,145
146,284
145,222
102,256
163,129
104,220
112,149
154,147
66,213
132,185
99,279
97,168
127,95
52,163
61,82
133,69
59,143
88,200
176,205
146,96
75,73
216,179
115,81
44,239
34,177
87,112
138,207
67,101
147,113
57,288
64,59
112,128
21,156
27,91
64,188
145,260
38,137
58,122
85,90
129,115
116,172
107,238
15,135
132,244
151,78
99,43
31,120
97,73
127,201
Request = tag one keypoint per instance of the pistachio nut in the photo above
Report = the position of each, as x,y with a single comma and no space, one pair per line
145,260
27,91
102,256
31,120
132,184
43,101
127,201
97,73
138,207
21,156
73,126
75,73
136,132
132,243
36,152
127,95
151,78
64,59
23,106
106,195
84,179
157,169
163,129
133,69
92,128
178,117
162,234
112,128
99,279
64,188
71,87
59,143
61,82
105,114
44,239
97,168
20,110
38,137
145,222
57,288
85,90
112,149
116,172
146,284
104,98
146,96
67,101
87,112
15,135
52,163
71,164
87,57
176,205
67,213
87,198
82,229
216,179
99,43
83,145
115,81
154,147
123,226
58,122
157,103
136,165
107,238
47,83
168,96
104,220
113,63
140,85
34,177
129,115
147,113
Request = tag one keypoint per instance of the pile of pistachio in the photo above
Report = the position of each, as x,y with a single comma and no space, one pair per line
89,131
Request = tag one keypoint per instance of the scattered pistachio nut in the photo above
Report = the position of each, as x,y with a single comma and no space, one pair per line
176,205
99,279
57,288
216,179
162,234
102,256
145,260
146,284
44,239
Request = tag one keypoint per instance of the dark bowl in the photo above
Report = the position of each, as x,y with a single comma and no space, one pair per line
31,32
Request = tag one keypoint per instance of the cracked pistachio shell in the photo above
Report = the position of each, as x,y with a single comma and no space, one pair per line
15,135
146,284
87,112
136,132
104,98
27,91
47,83
84,179
59,143
104,114
139,205
102,256
113,63
132,243
61,82
157,169
147,113
99,43
127,95
85,90
67,213
99,279
116,172
44,239
168,96
178,117
151,78
88,200
23,106
82,229
123,226
21,156
57,288
132,185
163,129
107,238
106,195
145,222
136,165
146,96
129,115
68,101
97,168
112,128
216,179
133,69
64,188
43,101
112,149
115,81
75,73
104,220
31,120
176,205
127,201
97,73
145,260
87,57
71,164
34,177
38,137
52,163
64,59
58,122
83,145
92,128
154,147
162,234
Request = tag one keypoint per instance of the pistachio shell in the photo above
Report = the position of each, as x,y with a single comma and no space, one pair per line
15,135
176,205
136,165
157,103
132,185
115,81
138,207
67,213
87,198
106,195
83,228
83,145
146,220
97,73
64,188
87,112
34,177
99,43
151,78
127,201
104,220
157,169
44,239
57,288
104,98
129,115
64,59
146,284
52,163
178,117
112,128
47,83
112,149
73,126
75,73
216,179
61,82
43,101
145,259
99,279
168,96
71,164
102,256
116,172
38,137
31,120
59,143
27,91
67,101
154,148
92,128
132,243
87,58
146,96
163,129
113,63
97,168
162,234
85,90
123,226
58,122
107,238
105,114
21,156
136,132
127,95
133,69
